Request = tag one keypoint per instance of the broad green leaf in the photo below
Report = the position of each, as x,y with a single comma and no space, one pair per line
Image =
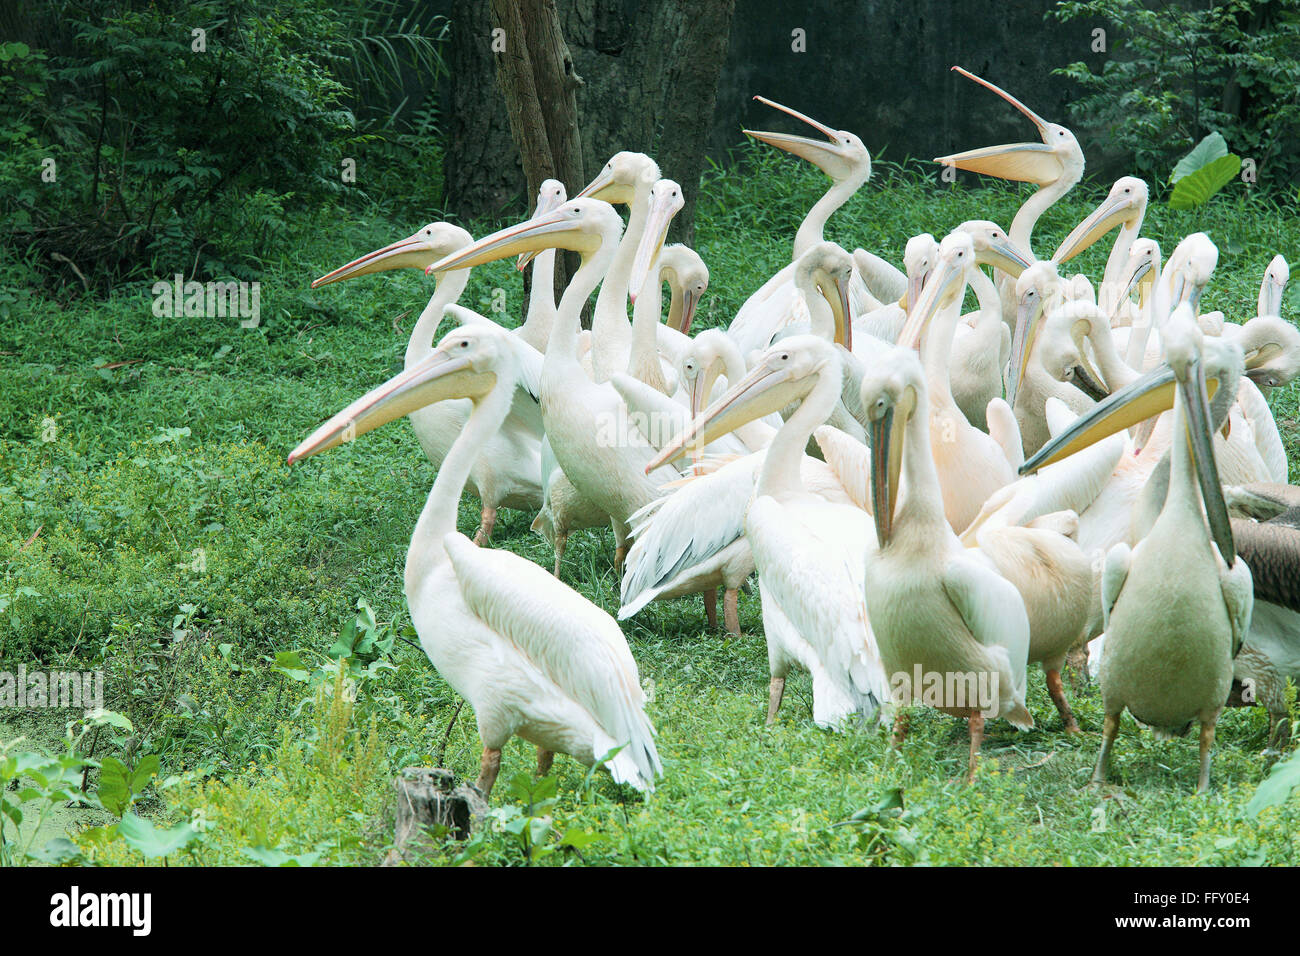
289,663
1196,188
1277,786
149,840
1208,150
271,856
144,771
58,851
100,717
114,788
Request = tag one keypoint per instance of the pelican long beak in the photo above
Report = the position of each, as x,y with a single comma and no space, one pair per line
840,308
827,155
605,180
1103,219
1200,437
885,436
1005,255
439,377
545,204
690,301
1028,315
1086,376
1141,276
1023,162
914,286
946,282
763,391
660,216
702,387
413,252
552,230
1147,396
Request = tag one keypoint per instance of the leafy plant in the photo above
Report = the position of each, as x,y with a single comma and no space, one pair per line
1173,72
1202,173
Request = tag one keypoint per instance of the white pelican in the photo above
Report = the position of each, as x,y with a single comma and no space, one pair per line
508,473
808,551
843,157
586,422
971,464
627,178
534,658
1054,165
1175,610
1125,206
940,611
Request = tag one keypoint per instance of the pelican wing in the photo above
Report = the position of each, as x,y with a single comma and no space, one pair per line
813,561
1118,561
705,515
574,643
850,461
994,613
1239,598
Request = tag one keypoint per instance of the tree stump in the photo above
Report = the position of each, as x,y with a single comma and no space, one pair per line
428,797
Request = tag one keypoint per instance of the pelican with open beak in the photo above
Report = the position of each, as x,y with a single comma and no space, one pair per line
1055,164
1175,610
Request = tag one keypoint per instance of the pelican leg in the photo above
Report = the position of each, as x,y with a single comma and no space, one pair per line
561,542
1207,744
775,691
1109,731
488,769
621,532
544,760
902,726
486,523
976,724
711,607
731,612
1057,692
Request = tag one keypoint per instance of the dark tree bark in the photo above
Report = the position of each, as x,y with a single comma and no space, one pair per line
650,85
481,166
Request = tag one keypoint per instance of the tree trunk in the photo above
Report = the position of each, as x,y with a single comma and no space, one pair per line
538,80
650,85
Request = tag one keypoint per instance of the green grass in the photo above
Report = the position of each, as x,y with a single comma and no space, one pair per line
125,505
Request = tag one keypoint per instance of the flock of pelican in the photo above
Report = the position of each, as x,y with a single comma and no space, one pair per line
931,499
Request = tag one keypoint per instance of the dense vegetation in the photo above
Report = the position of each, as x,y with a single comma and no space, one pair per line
249,617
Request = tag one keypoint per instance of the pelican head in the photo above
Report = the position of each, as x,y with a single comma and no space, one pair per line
1058,157
946,284
786,373
1060,350
550,196
704,360
892,386
688,277
829,268
1125,205
580,225
1276,277
842,155
416,251
1142,269
1272,351
1037,290
621,178
1194,370
465,364
920,256
1189,270
666,200
994,248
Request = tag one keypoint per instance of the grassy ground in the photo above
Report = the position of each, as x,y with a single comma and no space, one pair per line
177,552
